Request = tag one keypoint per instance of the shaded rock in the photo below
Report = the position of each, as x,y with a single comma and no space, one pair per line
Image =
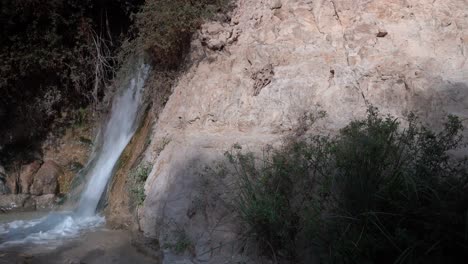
46,201
262,78
215,36
29,204
11,202
382,34
12,183
46,179
26,175
3,188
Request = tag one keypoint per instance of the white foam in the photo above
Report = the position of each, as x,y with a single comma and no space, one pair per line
68,228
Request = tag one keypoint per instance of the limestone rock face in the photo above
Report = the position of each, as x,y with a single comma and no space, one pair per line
26,175
253,79
46,179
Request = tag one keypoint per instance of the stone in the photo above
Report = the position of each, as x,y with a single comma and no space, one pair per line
215,36
46,201
262,78
382,34
46,179
26,175
14,202
275,4
12,183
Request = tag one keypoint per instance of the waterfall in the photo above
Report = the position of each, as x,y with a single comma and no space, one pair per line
116,133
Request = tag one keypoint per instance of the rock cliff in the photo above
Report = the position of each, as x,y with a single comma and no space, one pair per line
252,78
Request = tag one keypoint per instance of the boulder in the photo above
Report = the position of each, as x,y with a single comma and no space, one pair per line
26,175
11,183
46,179
15,202
46,201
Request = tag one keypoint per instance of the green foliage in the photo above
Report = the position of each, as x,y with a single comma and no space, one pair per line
166,26
181,242
375,193
138,178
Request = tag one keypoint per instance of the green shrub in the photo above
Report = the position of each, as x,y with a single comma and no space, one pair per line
138,178
165,28
181,242
374,193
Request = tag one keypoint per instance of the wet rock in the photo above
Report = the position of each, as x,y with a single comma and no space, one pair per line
46,201
15,202
29,204
46,179
26,175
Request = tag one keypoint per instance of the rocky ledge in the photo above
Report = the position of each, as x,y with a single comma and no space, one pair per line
34,186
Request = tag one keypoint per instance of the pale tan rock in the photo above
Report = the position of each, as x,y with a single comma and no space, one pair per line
275,4
26,175
46,201
46,179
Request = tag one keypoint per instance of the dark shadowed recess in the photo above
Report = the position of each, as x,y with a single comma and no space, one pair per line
47,63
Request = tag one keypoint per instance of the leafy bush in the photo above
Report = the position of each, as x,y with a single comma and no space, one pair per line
166,26
374,193
138,178
181,242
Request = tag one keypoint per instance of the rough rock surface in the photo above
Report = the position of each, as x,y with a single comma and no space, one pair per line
333,55
46,179
26,175
46,201
14,202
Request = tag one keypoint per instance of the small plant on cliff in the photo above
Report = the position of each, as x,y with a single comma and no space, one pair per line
374,193
181,241
138,177
165,28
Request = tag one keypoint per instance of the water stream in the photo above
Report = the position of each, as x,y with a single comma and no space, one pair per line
116,133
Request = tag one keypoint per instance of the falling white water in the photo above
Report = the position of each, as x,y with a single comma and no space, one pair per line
116,134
